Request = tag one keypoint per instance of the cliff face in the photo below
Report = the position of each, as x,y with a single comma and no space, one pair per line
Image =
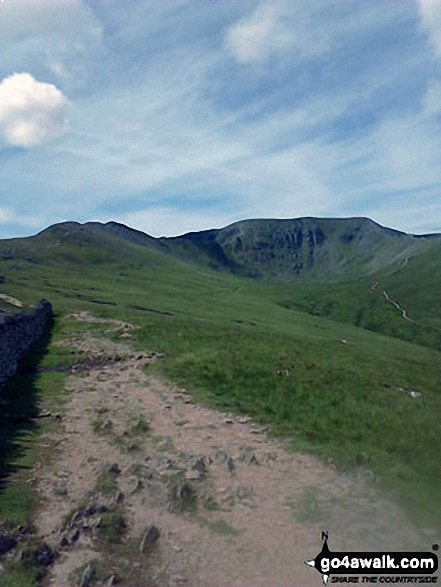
18,332
313,248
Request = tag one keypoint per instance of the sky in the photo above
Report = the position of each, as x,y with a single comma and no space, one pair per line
173,116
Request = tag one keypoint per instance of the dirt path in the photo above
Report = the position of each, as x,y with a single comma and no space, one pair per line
232,506
11,300
398,307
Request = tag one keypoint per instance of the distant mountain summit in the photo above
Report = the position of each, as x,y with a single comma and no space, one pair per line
308,249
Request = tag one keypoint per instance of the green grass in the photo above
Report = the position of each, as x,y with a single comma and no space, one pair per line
112,527
225,338
27,393
106,483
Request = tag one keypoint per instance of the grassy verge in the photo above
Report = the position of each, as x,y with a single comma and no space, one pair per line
35,389
332,388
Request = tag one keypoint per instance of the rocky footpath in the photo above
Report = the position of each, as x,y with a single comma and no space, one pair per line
148,487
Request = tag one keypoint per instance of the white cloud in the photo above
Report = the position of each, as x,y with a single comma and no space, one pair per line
275,28
430,14
32,113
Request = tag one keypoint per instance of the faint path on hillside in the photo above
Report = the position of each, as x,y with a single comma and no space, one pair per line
398,307
260,508
11,300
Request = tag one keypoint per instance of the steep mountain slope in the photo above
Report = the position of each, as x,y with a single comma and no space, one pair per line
318,249
344,269
305,249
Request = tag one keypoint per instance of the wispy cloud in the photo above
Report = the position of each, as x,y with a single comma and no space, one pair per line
273,28
432,98
60,39
430,13
220,111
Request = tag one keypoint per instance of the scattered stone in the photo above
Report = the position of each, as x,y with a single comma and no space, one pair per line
260,430
106,424
114,580
7,543
167,407
90,508
270,456
138,487
182,490
44,556
87,576
244,420
20,556
76,517
166,463
228,421
198,463
247,456
114,469
58,418
150,537
415,393
70,537
230,465
119,497
96,523
221,457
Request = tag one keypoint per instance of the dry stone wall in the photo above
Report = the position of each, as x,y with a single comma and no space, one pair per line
18,332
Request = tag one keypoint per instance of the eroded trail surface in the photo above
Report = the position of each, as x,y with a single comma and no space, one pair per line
148,488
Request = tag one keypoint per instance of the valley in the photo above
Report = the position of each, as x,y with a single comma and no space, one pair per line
336,382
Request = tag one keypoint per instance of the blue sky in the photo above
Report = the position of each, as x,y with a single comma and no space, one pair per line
181,115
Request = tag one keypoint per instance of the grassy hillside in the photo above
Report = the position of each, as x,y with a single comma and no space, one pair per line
246,345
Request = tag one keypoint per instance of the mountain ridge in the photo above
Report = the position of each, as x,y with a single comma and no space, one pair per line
307,248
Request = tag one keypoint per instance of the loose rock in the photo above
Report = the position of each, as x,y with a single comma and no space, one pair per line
248,456
44,556
87,576
7,543
150,537
181,490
